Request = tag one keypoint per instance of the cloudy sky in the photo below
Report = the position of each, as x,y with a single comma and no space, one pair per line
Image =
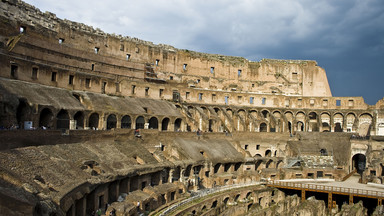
345,37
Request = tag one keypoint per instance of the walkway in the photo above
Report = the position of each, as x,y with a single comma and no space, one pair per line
206,192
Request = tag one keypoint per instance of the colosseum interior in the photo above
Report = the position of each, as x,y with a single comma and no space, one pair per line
97,123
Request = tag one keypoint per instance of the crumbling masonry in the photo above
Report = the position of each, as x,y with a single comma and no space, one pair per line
71,97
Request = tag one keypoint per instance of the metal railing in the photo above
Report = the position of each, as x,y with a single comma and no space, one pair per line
206,192
325,188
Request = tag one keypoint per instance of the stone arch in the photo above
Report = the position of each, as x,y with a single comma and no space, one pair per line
359,162
338,120
325,122
313,122
263,127
268,164
62,119
265,114
365,121
126,122
350,121
300,118
79,118
278,121
211,124
268,153
165,124
23,113
111,121
300,126
178,124
241,120
46,118
93,122
153,123
289,117
279,164
140,122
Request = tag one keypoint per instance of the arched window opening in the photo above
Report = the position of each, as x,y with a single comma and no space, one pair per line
153,123
263,127
93,121
140,122
164,124
46,118
359,163
338,127
178,124
62,120
111,121
23,113
79,118
210,125
126,122
268,153
265,113
300,126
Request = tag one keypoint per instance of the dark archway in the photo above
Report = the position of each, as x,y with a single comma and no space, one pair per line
178,124
111,121
140,122
153,123
210,125
359,162
164,124
79,118
268,153
263,127
62,120
300,126
338,127
46,118
93,121
126,122
23,113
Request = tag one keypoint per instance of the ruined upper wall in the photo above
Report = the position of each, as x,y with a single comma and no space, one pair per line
130,57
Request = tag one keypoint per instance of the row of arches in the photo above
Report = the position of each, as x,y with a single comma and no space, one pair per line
94,121
219,119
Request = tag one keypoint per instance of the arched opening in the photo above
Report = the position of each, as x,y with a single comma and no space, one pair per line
216,168
323,152
178,124
214,204
140,122
153,123
111,121
268,153
62,120
312,116
210,125
126,122
268,164
338,127
300,126
263,127
164,124
326,127
359,163
23,113
225,201
93,121
79,118
46,117
265,113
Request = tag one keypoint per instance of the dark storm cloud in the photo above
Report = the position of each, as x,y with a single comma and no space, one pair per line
346,37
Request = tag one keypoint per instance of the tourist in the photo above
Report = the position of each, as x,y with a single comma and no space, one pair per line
137,133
